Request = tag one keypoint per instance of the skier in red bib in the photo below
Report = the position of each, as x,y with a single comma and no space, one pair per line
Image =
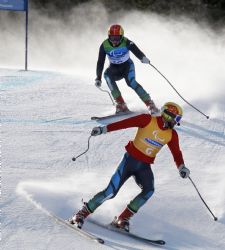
117,48
152,134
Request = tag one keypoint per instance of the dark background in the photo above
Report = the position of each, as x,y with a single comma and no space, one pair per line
211,11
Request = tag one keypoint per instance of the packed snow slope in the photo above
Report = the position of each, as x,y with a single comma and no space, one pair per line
45,121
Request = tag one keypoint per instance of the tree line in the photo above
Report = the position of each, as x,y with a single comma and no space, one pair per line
212,11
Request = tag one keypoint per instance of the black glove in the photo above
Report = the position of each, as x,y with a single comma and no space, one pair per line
98,130
183,171
98,83
145,60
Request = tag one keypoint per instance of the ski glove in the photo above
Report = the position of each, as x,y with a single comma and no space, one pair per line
184,172
145,60
98,82
99,130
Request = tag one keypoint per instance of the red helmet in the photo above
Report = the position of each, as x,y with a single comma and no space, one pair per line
115,30
115,34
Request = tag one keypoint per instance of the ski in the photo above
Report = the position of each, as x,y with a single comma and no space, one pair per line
99,118
81,232
59,119
131,235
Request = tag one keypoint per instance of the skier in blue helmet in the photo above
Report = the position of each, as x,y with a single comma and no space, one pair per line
117,48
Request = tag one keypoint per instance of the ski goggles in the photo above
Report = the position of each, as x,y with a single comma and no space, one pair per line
169,116
115,38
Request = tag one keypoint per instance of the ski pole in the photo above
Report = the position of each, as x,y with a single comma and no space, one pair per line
215,218
179,93
75,157
108,94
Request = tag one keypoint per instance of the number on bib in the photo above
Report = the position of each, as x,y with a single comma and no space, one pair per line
149,151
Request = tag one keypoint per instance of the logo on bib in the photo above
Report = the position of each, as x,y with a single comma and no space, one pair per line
117,53
155,133
152,142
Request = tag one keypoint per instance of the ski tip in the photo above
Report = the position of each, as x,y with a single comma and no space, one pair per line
160,242
94,118
99,240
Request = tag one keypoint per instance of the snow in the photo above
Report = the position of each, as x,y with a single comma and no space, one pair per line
45,121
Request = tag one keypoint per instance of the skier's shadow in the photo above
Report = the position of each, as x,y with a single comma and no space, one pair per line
106,234
62,205
57,203
203,133
213,120
115,245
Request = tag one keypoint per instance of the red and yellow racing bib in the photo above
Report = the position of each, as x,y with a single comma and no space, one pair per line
150,139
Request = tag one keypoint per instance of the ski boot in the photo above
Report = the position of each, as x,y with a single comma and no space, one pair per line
121,105
78,218
122,222
151,107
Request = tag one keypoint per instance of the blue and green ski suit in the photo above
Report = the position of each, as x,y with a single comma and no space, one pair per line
121,66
